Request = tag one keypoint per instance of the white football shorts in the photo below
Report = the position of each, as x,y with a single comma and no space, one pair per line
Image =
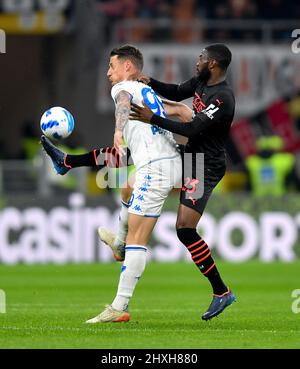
153,183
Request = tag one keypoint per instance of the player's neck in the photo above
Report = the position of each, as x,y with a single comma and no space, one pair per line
131,77
216,79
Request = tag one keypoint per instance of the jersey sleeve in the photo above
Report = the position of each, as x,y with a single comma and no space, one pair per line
175,92
122,86
220,108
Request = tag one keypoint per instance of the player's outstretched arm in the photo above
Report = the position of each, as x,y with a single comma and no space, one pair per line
220,108
178,110
171,91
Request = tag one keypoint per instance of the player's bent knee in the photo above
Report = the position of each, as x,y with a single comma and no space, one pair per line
185,222
184,233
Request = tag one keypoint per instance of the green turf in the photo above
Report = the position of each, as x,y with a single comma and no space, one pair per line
47,306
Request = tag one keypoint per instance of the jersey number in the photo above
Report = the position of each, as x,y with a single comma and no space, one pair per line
154,104
210,111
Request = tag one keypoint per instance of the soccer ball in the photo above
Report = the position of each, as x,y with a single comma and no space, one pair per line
57,123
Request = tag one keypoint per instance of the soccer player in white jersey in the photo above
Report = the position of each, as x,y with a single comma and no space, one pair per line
158,170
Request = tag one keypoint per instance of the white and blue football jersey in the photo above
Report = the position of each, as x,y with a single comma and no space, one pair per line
146,142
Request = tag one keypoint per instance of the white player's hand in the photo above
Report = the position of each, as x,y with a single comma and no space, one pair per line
118,143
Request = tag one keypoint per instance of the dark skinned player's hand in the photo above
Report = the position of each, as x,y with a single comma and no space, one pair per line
143,78
143,113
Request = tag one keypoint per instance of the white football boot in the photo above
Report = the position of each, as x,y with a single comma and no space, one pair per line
110,315
109,238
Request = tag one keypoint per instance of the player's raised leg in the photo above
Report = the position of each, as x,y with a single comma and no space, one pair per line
97,158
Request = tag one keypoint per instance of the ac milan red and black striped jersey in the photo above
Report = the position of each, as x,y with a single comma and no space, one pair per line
214,110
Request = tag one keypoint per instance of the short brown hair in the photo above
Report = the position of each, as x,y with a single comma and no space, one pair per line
129,52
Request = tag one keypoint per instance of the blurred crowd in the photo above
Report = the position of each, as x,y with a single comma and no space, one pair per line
183,20
218,9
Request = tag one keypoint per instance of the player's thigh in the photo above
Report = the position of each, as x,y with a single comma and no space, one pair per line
139,229
127,186
187,217
126,193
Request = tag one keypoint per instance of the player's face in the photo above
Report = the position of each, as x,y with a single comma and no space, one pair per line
202,66
116,70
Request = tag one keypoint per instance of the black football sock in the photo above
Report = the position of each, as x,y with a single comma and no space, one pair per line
202,258
98,158
82,160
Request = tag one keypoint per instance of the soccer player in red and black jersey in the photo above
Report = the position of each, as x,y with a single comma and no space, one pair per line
213,105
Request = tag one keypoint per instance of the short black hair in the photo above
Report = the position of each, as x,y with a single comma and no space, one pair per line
220,53
129,52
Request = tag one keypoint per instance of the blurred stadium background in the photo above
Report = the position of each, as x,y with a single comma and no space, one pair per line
56,54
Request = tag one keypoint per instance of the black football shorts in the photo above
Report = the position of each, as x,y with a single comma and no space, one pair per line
199,179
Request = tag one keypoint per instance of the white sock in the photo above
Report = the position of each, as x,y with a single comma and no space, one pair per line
123,225
132,269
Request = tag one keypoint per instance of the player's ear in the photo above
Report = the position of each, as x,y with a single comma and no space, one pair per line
212,63
128,65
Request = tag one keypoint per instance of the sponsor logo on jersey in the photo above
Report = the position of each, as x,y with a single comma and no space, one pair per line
198,104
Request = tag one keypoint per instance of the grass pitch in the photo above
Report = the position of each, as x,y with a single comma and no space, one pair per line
47,306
